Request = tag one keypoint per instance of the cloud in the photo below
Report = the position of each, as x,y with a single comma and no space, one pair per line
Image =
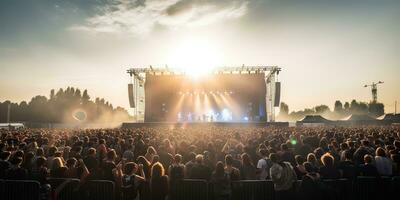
139,17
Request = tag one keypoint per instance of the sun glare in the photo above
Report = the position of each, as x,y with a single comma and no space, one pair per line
197,57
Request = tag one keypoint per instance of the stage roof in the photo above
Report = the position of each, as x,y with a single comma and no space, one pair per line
314,119
359,117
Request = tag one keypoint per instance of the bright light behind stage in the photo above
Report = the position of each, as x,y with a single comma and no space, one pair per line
196,57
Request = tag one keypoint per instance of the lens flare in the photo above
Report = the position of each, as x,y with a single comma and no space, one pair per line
79,115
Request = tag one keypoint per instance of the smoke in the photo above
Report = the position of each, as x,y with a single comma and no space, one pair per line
81,118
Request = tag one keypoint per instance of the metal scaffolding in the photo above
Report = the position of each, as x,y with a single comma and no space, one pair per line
138,79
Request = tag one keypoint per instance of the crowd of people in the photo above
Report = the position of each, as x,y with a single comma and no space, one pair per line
162,156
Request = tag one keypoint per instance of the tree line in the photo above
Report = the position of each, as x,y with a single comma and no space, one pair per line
339,111
64,106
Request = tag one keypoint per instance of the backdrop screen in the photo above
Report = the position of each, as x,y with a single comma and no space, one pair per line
219,97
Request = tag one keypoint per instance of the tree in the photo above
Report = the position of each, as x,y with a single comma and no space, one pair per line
346,106
354,106
358,107
363,108
338,107
85,97
52,94
61,107
321,109
284,109
376,109
38,109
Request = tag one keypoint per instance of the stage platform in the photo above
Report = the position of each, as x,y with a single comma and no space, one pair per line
194,124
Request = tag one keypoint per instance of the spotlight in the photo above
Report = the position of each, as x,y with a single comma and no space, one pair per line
226,115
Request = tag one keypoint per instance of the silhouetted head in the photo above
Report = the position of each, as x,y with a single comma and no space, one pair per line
327,160
157,170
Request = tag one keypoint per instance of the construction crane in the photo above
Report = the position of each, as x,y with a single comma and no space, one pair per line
374,90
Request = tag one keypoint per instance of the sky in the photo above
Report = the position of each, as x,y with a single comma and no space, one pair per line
327,49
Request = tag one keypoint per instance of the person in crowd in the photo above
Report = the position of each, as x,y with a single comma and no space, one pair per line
333,152
176,171
39,153
311,158
141,160
58,169
236,157
51,156
232,171
16,172
66,152
208,160
189,165
396,163
159,186
299,168
76,169
383,164
263,165
140,146
199,170
328,170
91,161
286,154
344,147
109,165
128,153
283,176
352,147
247,168
169,148
102,149
347,167
130,180
39,171
310,187
155,159
151,152
4,163
27,162
368,169
363,150
221,183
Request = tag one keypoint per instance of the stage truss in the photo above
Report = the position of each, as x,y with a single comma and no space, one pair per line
138,78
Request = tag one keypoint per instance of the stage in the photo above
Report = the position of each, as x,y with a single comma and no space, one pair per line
226,95
199,124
